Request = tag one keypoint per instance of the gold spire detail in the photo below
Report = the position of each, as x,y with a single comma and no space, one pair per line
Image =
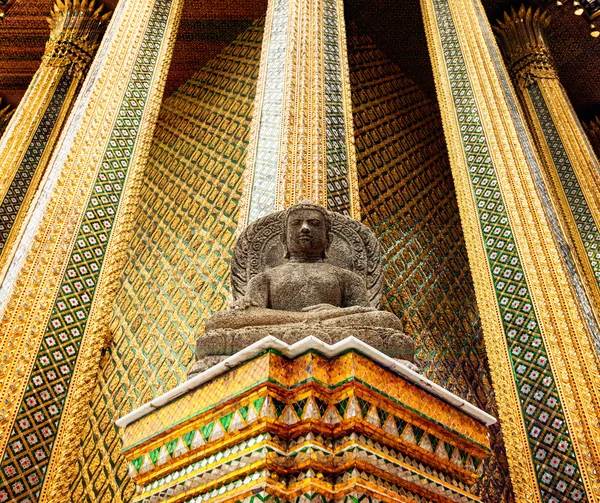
76,29
592,129
5,115
521,38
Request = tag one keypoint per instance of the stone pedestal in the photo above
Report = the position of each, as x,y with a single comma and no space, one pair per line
305,421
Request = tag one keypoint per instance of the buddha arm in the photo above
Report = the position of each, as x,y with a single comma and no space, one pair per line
257,292
355,292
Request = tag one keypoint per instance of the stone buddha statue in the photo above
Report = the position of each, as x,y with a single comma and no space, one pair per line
307,288
303,271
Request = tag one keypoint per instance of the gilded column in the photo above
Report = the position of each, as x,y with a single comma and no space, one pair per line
76,30
55,300
302,142
592,128
540,343
5,114
570,170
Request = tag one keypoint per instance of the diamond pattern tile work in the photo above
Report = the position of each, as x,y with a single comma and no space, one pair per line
554,460
408,200
30,444
10,206
177,271
577,202
338,185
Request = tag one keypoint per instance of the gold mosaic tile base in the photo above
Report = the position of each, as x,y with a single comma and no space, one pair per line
341,429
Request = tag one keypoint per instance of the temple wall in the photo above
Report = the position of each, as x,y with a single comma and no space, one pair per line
178,266
408,200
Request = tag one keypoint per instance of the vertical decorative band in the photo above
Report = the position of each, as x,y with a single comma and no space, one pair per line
338,182
301,145
524,300
83,225
76,30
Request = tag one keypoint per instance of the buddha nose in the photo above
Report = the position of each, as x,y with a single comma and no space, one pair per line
305,229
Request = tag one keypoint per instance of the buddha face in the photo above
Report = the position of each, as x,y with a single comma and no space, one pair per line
307,235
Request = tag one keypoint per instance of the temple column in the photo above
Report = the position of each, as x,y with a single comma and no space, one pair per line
592,128
25,150
56,297
302,141
570,169
539,336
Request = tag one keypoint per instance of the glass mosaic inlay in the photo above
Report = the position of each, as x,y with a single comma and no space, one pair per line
338,184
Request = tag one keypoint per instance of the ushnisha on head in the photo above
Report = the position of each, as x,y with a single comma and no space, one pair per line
307,233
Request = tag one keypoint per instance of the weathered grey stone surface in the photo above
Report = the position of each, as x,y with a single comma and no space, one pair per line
299,289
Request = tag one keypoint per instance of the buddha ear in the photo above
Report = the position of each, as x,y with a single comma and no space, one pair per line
329,239
286,253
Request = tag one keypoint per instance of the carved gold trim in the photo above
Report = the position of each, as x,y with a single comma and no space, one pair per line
509,407
566,338
521,37
256,118
76,28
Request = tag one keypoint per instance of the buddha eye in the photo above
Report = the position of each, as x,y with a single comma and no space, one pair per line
316,223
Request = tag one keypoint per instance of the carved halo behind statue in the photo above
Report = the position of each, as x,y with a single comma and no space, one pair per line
300,272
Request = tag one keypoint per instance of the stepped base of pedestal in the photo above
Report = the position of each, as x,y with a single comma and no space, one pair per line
306,422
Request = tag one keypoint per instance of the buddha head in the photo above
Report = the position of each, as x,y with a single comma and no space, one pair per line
307,232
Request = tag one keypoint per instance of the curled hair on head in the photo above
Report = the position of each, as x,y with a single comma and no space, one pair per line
306,205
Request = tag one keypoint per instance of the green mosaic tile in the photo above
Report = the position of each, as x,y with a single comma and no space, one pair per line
41,408
188,438
257,404
299,407
11,204
341,407
400,424
226,420
207,429
551,449
364,406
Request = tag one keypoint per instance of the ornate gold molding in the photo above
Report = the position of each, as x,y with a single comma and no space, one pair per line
521,37
90,195
76,29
